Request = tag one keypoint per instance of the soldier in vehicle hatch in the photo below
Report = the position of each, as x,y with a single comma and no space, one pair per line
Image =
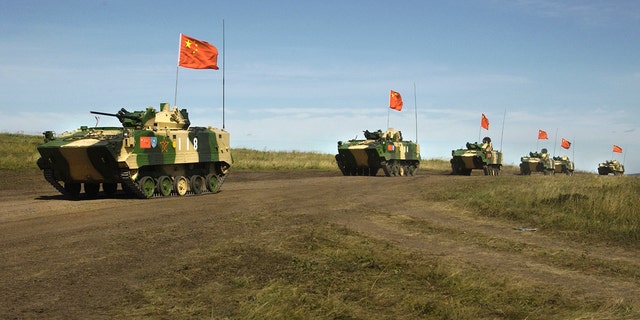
544,154
486,144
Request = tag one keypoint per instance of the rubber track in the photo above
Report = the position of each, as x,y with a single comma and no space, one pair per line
48,175
135,188
127,184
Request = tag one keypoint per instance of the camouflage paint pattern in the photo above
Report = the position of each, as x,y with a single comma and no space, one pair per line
476,156
563,165
611,167
150,144
379,150
537,162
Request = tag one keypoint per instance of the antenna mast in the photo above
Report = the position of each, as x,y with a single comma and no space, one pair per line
223,72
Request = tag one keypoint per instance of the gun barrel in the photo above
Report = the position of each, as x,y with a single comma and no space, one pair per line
122,114
104,113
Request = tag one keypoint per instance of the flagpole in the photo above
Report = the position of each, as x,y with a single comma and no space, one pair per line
504,117
555,143
573,152
415,103
223,72
175,94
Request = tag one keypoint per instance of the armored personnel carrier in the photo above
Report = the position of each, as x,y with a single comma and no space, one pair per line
476,156
538,162
379,150
152,154
611,167
563,165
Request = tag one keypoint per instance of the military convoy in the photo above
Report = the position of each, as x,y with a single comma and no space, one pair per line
611,167
158,153
154,153
379,150
476,156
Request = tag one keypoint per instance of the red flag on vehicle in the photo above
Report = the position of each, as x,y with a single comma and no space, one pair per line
484,122
617,149
565,143
542,135
395,101
197,54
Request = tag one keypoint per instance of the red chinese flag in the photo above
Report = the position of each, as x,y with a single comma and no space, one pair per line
617,149
484,122
145,142
197,54
565,143
395,101
542,135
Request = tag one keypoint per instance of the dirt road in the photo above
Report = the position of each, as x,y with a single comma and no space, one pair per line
64,259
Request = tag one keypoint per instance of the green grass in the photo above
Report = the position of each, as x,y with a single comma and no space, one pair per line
19,151
287,267
325,271
247,159
582,207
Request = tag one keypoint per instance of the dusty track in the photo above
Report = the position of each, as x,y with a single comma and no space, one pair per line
69,259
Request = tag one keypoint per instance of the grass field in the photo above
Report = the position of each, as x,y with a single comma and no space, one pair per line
328,271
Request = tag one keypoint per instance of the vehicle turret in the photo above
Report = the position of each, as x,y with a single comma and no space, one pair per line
150,119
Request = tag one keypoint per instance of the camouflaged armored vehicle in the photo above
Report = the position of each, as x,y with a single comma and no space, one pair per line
538,162
379,150
153,153
611,167
563,165
476,156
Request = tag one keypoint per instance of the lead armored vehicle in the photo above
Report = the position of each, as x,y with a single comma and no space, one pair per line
538,162
476,156
379,150
611,167
153,153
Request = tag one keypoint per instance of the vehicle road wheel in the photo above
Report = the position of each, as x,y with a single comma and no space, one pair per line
110,188
73,188
197,184
181,185
165,186
212,182
91,189
395,170
147,185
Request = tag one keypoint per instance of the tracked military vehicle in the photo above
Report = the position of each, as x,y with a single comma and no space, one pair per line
154,153
611,167
538,162
379,150
563,165
476,156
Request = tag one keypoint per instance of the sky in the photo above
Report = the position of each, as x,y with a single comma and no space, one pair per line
302,75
